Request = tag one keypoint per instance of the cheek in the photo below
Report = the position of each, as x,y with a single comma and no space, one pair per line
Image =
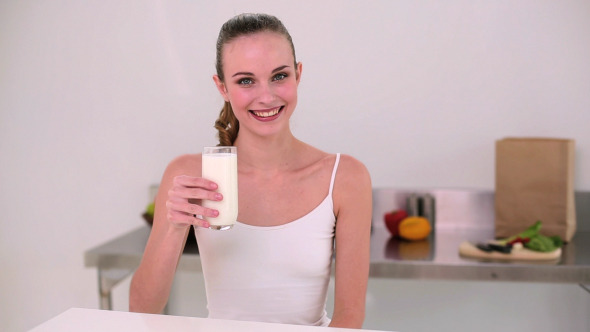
288,92
240,98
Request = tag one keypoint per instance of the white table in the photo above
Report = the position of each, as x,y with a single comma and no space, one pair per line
90,320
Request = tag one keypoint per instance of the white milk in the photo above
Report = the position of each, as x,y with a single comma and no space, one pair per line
222,168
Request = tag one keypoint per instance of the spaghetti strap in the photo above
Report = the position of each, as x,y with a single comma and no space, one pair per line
334,173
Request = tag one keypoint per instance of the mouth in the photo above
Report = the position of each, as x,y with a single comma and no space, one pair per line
268,114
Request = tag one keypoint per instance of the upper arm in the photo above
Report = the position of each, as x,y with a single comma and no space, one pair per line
353,208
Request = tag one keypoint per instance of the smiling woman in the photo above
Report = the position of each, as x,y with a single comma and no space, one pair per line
297,204
96,96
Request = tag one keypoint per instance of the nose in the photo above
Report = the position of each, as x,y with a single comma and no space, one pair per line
266,94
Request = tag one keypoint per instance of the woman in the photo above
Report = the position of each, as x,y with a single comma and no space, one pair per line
296,203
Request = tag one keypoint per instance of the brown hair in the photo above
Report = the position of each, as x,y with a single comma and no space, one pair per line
227,124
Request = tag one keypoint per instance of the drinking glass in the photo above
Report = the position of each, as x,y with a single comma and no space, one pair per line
220,165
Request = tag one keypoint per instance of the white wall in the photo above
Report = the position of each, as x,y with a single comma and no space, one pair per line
97,96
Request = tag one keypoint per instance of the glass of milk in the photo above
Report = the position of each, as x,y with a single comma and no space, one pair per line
220,165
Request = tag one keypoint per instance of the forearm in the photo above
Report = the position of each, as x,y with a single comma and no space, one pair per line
152,281
352,319
350,298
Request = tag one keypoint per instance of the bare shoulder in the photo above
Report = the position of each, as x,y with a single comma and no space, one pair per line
352,186
350,163
186,164
351,171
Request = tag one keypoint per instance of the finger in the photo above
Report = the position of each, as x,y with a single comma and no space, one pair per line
179,218
194,193
199,221
177,199
190,209
192,181
184,219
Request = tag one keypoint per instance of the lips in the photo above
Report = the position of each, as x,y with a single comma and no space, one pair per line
268,114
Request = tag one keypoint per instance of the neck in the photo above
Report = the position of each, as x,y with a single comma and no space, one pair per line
266,153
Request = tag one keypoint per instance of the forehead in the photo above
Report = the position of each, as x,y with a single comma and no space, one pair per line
257,49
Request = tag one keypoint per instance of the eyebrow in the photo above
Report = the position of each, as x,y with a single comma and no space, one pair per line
251,74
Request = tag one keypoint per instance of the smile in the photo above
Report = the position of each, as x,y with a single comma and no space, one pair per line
267,113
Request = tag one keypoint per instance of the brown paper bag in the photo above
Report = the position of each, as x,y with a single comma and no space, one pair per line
535,181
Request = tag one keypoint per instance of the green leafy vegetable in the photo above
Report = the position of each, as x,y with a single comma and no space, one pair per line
541,243
557,241
526,234
536,242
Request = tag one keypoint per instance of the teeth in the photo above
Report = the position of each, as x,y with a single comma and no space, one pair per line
266,114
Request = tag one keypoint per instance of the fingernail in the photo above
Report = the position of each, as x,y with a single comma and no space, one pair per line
214,213
218,196
213,185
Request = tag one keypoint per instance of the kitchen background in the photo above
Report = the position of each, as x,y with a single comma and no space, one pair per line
97,96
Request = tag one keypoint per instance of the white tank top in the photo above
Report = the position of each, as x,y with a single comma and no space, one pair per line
276,274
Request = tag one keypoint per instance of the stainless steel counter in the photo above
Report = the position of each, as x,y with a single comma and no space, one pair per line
468,215
438,258
460,215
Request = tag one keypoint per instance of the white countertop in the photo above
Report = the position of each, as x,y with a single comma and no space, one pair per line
90,320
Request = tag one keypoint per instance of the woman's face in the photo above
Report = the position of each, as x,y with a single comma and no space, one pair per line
260,81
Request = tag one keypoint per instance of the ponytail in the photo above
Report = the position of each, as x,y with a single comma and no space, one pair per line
227,126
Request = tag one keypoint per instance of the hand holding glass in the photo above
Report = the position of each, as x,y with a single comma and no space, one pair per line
220,165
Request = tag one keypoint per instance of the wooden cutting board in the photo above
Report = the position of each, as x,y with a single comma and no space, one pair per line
468,249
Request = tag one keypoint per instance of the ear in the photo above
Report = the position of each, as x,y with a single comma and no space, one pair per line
221,87
298,71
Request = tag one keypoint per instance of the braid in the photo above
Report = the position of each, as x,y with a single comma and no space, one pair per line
227,126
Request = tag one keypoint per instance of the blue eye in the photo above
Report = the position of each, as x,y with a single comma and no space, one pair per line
245,81
279,77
